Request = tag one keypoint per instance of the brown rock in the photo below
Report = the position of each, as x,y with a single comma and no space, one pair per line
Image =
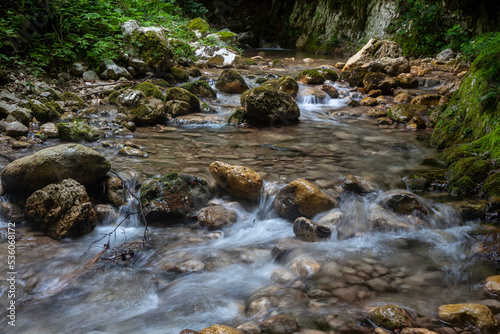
403,202
231,82
279,324
239,181
219,329
402,98
492,286
427,99
390,317
307,230
375,93
416,331
301,198
216,217
369,101
380,81
376,113
330,90
461,315
358,185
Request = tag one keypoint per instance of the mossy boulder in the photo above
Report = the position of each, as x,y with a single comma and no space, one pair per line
403,202
239,181
20,113
265,105
465,173
177,108
377,80
194,72
227,36
179,74
231,82
45,112
113,97
73,100
311,77
284,84
427,99
301,198
152,111
200,88
199,27
355,77
491,187
403,113
181,94
238,116
329,74
78,131
250,62
149,89
391,317
61,210
219,329
468,314
52,165
172,197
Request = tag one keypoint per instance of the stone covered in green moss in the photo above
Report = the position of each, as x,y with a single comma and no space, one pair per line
249,61
267,106
285,84
329,74
231,82
73,99
491,187
466,173
113,96
172,197
180,94
78,131
403,113
152,111
200,26
238,116
152,48
149,90
200,88
227,36
179,74
311,77
194,72
45,112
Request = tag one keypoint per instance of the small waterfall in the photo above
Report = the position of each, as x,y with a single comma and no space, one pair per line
130,207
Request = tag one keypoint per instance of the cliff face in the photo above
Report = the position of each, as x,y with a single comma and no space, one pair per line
324,25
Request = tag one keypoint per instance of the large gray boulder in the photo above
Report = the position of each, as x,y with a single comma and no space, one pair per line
267,106
110,71
51,165
61,210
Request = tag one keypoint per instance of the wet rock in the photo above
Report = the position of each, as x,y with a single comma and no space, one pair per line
51,165
115,191
406,81
376,112
369,101
416,331
173,196
284,247
318,94
311,77
90,76
301,198
279,324
177,108
284,84
219,329
231,82
384,121
416,123
426,100
11,212
283,276
179,74
391,317
200,88
446,55
358,185
140,109
61,210
106,213
216,217
305,266
194,72
239,181
395,66
330,90
379,81
45,112
492,286
180,94
110,71
189,266
402,98
462,315
249,328
267,106
16,129
307,230
332,218
403,113
20,145
403,202
375,93
132,152
264,299
416,183
78,131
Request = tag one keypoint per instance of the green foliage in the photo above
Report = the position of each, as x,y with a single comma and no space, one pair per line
42,35
422,29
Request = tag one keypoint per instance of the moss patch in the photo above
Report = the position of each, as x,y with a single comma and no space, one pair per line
113,96
311,77
238,116
227,36
78,131
72,97
149,90
491,187
329,74
181,94
151,47
200,25
179,75
200,88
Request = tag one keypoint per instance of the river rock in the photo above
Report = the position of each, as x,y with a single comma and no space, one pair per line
16,129
106,213
402,98
171,197
395,66
284,84
391,317
305,266
77,69
369,101
273,296
427,100
11,212
468,314
373,50
301,198
268,106
279,324
403,202
405,80
177,108
115,191
239,181
358,185
416,123
78,131
403,113
141,110
492,286
408,330
330,90
200,88
132,152
90,76
148,44
380,81
219,329
54,164
110,71
61,210
376,113
181,94
231,82
307,230
216,217
311,77
249,328
309,91
284,247
446,55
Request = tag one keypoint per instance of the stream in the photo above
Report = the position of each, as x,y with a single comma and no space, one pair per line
238,275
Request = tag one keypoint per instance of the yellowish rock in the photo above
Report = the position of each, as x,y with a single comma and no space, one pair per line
468,314
492,285
390,317
239,181
219,329
417,331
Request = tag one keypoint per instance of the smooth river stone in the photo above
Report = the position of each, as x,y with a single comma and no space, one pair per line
461,315
492,285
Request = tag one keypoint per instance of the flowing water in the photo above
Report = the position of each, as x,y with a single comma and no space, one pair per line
419,269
